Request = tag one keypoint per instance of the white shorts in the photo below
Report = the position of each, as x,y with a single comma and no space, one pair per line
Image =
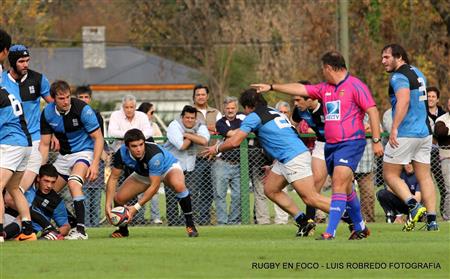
319,150
409,149
65,163
34,162
146,179
295,169
14,158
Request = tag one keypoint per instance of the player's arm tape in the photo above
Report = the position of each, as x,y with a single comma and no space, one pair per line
137,206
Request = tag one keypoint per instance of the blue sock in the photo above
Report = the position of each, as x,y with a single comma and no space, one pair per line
337,207
354,210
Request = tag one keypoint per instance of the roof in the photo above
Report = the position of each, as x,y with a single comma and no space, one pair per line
124,65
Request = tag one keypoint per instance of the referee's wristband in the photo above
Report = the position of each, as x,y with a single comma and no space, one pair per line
137,206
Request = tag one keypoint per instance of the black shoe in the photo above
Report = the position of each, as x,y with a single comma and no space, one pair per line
357,235
192,231
305,227
325,236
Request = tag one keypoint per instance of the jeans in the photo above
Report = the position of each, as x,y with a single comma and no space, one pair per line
226,174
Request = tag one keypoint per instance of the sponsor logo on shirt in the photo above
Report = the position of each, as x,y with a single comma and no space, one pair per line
31,89
328,94
334,110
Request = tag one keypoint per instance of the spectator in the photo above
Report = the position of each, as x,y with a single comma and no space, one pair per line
128,118
184,136
149,109
119,123
392,205
435,111
202,188
93,189
226,170
442,134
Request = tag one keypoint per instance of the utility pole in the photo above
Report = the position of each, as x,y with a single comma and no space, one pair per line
343,31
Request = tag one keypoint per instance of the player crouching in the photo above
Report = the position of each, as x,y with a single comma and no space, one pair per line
152,165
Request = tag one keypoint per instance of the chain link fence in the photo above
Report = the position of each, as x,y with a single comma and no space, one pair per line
229,191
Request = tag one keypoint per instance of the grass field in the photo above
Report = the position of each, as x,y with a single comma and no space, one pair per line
232,252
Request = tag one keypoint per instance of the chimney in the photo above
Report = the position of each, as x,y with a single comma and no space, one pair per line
94,47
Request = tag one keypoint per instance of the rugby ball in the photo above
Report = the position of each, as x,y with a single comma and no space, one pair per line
119,216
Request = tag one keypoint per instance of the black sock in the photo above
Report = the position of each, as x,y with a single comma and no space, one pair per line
310,213
123,229
27,227
1,229
72,219
11,230
431,218
79,212
186,207
301,219
411,203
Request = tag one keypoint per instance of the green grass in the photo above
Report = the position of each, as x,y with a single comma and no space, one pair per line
227,252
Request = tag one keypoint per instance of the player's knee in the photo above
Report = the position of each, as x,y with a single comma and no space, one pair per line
75,179
182,194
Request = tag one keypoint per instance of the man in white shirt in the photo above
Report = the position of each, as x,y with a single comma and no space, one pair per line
184,137
128,118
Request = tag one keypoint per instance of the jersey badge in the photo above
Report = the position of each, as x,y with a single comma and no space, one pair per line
75,122
333,110
31,89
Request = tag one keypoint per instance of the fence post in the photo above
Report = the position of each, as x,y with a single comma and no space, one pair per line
245,197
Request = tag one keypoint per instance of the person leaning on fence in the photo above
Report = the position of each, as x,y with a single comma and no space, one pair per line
149,110
202,187
292,159
151,164
392,205
345,100
185,135
435,111
442,134
226,169
410,136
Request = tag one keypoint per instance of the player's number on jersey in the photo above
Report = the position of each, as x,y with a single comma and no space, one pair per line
16,106
281,120
422,89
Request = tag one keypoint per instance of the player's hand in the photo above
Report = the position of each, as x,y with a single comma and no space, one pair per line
54,144
393,138
131,211
209,152
108,213
378,149
260,87
92,172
